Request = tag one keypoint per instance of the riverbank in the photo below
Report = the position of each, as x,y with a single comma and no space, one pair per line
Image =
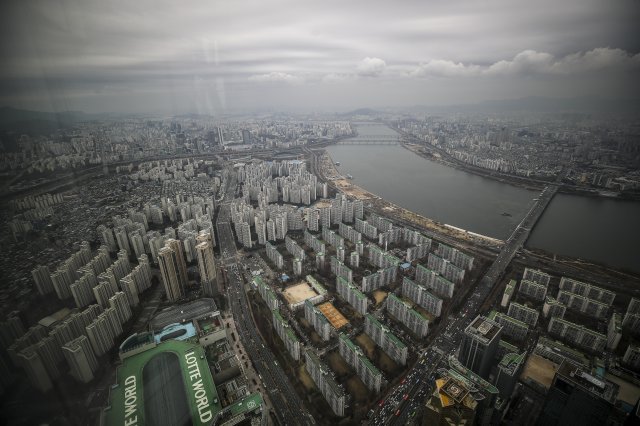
477,244
518,181
452,235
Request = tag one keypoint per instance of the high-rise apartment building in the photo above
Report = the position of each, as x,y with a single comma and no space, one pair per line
323,378
479,345
42,278
207,267
173,269
384,338
353,355
81,358
411,318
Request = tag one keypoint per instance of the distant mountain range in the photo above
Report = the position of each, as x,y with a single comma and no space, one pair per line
20,120
10,115
584,104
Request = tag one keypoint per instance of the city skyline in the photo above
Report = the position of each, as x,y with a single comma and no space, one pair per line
320,213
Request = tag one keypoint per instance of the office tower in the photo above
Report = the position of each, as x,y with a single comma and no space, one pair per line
42,278
81,358
479,345
576,397
168,260
509,370
207,267
35,369
450,404
461,397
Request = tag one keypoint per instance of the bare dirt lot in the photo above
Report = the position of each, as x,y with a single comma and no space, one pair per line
356,388
305,379
540,370
368,346
379,295
337,364
352,190
298,292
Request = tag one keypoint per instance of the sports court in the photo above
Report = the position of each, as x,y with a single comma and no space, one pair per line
334,316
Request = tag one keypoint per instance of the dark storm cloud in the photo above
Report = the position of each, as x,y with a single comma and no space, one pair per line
99,55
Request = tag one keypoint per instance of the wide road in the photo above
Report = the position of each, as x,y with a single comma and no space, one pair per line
286,402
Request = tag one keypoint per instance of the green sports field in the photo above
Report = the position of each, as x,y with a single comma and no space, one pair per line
167,385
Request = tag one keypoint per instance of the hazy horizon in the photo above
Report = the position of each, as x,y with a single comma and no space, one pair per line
214,57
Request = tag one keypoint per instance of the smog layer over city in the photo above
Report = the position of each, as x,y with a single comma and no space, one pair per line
320,213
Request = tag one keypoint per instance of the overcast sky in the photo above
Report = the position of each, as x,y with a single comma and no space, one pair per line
217,56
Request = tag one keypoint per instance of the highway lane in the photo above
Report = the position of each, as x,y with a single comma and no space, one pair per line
289,408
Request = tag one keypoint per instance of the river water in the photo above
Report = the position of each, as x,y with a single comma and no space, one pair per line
598,229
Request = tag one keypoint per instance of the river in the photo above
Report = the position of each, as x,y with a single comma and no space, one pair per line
597,229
